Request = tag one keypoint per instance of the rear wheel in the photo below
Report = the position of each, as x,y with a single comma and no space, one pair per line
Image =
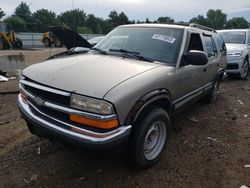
46,43
244,69
213,93
149,138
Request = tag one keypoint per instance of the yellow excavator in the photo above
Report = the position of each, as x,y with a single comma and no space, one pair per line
49,39
8,39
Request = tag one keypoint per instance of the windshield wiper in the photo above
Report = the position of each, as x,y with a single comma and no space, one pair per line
99,50
133,53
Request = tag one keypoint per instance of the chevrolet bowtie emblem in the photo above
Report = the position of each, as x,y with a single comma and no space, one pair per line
39,101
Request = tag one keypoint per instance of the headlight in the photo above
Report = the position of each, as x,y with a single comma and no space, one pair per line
236,54
91,105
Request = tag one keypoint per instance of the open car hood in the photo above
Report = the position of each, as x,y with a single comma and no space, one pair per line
69,38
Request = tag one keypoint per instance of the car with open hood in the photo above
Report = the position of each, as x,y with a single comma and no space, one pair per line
72,41
125,90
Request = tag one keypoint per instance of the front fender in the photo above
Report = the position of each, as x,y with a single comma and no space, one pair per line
160,97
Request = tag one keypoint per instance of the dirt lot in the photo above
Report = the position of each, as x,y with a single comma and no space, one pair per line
209,147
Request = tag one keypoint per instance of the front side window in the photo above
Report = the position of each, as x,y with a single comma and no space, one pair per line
156,44
195,42
237,37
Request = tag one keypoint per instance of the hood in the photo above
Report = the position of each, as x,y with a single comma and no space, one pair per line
235,47
87,74
69,38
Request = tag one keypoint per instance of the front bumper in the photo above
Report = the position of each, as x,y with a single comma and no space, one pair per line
49,127
234,64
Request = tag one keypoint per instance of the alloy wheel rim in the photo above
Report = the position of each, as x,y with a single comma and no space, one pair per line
244,70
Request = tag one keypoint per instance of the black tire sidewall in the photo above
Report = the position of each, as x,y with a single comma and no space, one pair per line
140,132
209,98
2,43
19,43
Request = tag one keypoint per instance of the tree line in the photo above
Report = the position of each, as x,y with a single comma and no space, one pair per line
23,20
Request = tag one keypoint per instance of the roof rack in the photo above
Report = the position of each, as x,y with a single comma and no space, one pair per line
195,25
202,27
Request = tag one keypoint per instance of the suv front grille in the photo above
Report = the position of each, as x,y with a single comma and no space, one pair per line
232,66
48,96
51,112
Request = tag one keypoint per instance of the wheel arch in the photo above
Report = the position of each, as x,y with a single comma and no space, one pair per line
247,57
160,98
220,74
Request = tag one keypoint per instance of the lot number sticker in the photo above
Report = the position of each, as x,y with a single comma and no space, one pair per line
164,38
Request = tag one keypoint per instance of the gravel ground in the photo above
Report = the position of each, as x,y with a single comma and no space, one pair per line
209,147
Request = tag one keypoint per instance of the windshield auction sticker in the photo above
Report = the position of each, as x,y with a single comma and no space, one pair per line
164,38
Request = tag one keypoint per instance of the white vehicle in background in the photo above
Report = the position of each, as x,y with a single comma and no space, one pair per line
95,40
238,51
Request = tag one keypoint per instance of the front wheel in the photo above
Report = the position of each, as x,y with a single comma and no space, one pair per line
149,138
244,70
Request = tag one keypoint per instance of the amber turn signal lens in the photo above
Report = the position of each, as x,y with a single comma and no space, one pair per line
94,123
24,97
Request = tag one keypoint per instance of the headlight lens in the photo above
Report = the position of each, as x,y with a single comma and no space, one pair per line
236,54
91,105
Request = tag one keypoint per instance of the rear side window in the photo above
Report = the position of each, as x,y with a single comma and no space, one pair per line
210,46
221,43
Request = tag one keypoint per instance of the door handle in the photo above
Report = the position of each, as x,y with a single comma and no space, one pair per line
205,69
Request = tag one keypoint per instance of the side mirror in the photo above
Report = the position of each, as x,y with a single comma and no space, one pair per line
195,57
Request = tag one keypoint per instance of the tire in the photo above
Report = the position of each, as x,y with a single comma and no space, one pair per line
18,44
149,137
46,43
244,69
1,44
213,93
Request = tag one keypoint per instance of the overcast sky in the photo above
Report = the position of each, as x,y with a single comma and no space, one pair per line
180,10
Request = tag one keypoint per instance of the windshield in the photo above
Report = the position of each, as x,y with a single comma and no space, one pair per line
237,37
156,44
